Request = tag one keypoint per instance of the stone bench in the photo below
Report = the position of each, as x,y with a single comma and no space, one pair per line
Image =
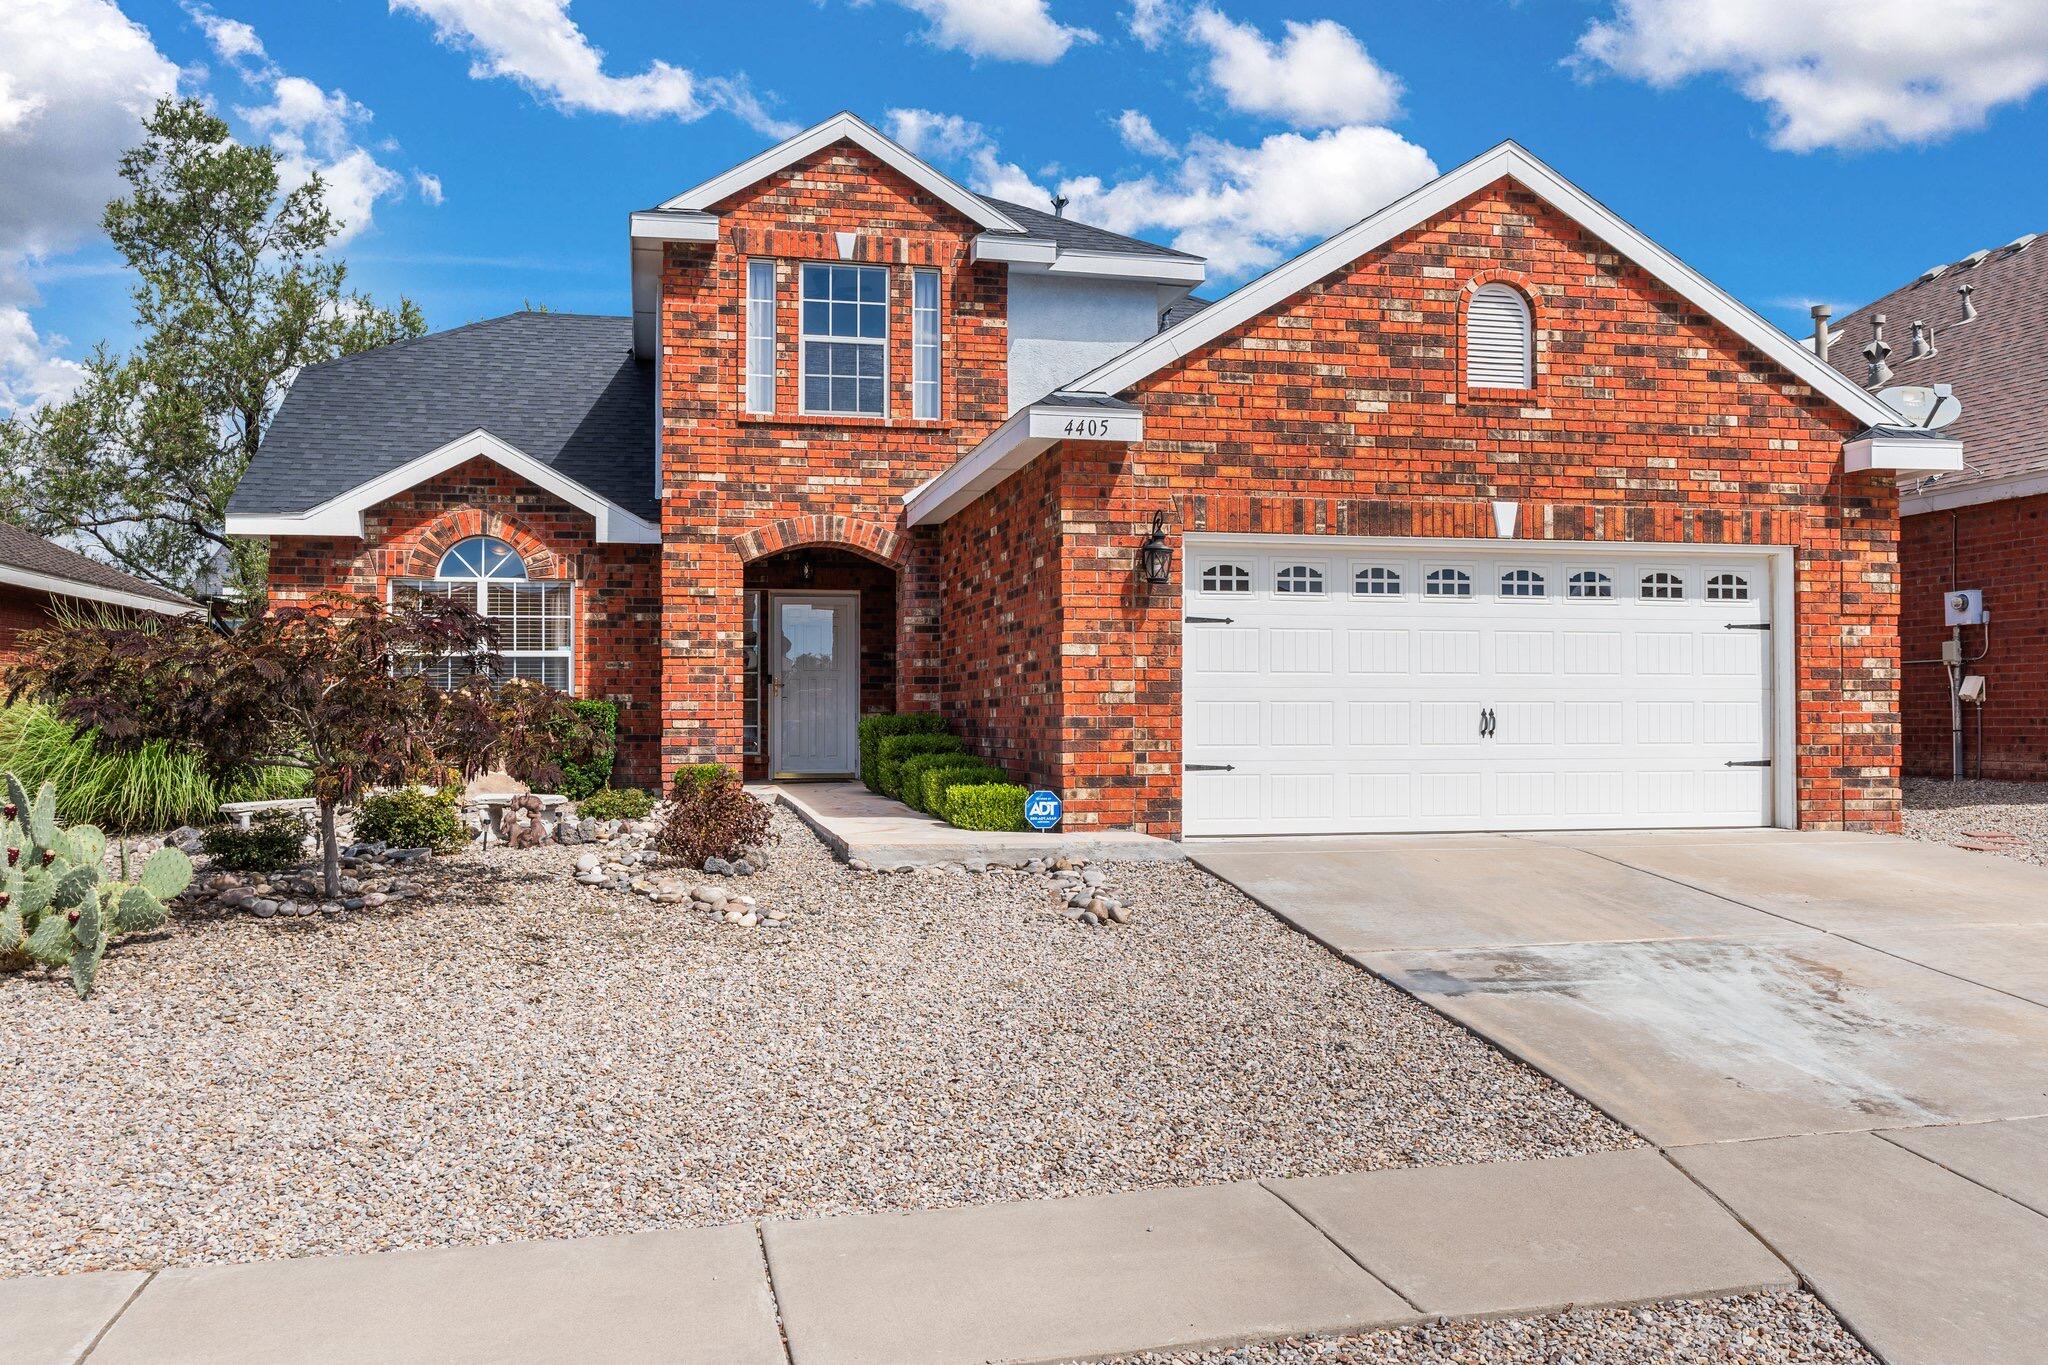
241,812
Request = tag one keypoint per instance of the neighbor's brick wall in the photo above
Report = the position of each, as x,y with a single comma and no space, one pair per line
21,610
1342,411
2001,547
740,486
616,601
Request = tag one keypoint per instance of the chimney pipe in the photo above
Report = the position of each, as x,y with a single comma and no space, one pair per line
1059,205
1821,340
1923,344
1876,352
1969,304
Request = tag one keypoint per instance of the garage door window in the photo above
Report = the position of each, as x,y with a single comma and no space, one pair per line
1662,587
1376,581
1589,583
1226,578
1298,579
1727,587
1447,583
1521,583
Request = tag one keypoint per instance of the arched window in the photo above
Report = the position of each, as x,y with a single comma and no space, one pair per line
1500,339
1661,587
1299,578
1589,583
1376,581
1447,583
1226,578
535,618
1728,587
1521,583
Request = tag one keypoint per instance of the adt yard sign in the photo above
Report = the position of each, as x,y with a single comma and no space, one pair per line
1041,810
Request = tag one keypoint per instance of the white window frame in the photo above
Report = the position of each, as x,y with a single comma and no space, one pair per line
1244,580
927,333
1525,576
481,585
1645,572
760,365
1604,578
1388,579
805,338
1314,582
1467,571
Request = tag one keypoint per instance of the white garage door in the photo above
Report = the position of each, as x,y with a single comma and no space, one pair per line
1333,687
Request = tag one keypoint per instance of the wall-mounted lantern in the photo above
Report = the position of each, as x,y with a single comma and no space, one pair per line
1155,556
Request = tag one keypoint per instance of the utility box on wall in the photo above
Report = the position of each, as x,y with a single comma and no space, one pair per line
1965,607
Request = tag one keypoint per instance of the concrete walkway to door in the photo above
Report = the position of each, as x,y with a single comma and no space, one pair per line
1844,1037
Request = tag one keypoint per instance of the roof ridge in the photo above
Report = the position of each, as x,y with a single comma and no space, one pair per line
405,342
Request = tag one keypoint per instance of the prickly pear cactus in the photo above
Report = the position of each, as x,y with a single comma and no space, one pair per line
56,906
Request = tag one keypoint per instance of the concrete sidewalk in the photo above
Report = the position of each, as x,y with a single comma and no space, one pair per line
1044,1281
857,823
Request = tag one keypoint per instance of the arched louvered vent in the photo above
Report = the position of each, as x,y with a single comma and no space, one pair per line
1499,339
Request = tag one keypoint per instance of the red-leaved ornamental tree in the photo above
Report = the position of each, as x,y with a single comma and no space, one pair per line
334,688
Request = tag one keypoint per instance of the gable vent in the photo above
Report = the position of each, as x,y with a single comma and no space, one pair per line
1499,343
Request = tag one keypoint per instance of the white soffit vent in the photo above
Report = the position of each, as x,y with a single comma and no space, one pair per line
1498,339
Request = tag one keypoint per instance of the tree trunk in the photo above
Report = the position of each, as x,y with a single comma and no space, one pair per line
330,853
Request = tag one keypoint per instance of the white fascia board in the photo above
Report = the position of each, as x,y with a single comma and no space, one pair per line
1017,442
343,515
1418,207
649,232
1012,250
660,226
1939,499
845,127
1037,254
1900,453
93,592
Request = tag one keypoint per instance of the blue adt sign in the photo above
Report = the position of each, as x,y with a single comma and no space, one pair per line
1042,810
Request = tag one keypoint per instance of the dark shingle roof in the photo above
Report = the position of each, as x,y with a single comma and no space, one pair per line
1076,236
1998,362
564,388
21,550
1181,311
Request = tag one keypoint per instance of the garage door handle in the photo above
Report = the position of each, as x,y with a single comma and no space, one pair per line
1210,767
1207,620
1746,625
1748,763
1486,723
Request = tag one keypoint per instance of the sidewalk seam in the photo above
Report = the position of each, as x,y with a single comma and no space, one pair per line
1960,1175
774,1295
108,1326
1346,1252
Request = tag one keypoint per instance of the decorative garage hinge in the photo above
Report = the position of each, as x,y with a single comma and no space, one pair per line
1207,620
1210,767
1747,625
1748,763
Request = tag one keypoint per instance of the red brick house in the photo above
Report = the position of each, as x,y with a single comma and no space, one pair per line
36,577
1484,513
1980,326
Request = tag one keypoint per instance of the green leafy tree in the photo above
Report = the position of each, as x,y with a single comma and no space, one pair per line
233,295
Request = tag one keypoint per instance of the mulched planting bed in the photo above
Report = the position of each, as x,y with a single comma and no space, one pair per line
2008,818
507,1054
1756,1329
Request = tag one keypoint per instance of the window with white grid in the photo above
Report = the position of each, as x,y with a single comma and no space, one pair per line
845,352
760,336
535,620
924,344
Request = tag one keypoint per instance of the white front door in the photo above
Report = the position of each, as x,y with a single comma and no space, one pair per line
814,642
1339,686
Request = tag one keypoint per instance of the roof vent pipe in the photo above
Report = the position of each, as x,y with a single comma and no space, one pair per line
1059,205
1876,352
1969,304
1821,340
1923,345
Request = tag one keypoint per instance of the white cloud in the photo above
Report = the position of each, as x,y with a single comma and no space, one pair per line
1140,136
1011,30
934,136
314,132
429,186
232,40
537,44
1149,22
1318,76
1242,207
1837,73
76,78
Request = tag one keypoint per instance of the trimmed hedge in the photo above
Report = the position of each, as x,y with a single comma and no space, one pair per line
616,803
913,771
595,772
989,806
410,818
894,749
874,729
696,777
274,841
937,783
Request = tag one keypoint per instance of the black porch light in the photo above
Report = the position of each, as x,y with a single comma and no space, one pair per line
1155,556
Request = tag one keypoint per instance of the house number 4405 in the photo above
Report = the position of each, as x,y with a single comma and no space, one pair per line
1087,426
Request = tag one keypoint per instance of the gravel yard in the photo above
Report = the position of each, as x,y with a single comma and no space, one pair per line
2009,818
515,1056
1757,1329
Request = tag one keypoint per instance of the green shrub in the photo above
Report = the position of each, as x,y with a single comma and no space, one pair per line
895,749
939,782
993,806
711,817
594,773
151,789
616,803
410,818
274,841
913,772
874,729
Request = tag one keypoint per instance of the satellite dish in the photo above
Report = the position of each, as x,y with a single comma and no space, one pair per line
1927,406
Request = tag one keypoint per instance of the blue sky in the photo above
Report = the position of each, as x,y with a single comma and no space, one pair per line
1791,150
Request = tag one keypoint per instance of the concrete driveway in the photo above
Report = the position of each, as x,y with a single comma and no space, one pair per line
1843,1036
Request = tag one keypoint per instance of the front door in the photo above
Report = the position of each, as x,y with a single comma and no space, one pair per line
814,641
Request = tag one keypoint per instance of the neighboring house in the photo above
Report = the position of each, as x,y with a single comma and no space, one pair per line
1979,324
36,575
1484,513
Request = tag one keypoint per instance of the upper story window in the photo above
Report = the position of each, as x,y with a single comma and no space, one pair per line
845,351
535,620
1500,342
924,344
760,336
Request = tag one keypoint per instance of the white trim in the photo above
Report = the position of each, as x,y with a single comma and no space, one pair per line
1036,254
343,515
1939,499
1017,442
1510,160
58,586
845,127
654,225
1877,451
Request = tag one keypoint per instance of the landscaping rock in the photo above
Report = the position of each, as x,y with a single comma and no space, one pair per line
717,866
